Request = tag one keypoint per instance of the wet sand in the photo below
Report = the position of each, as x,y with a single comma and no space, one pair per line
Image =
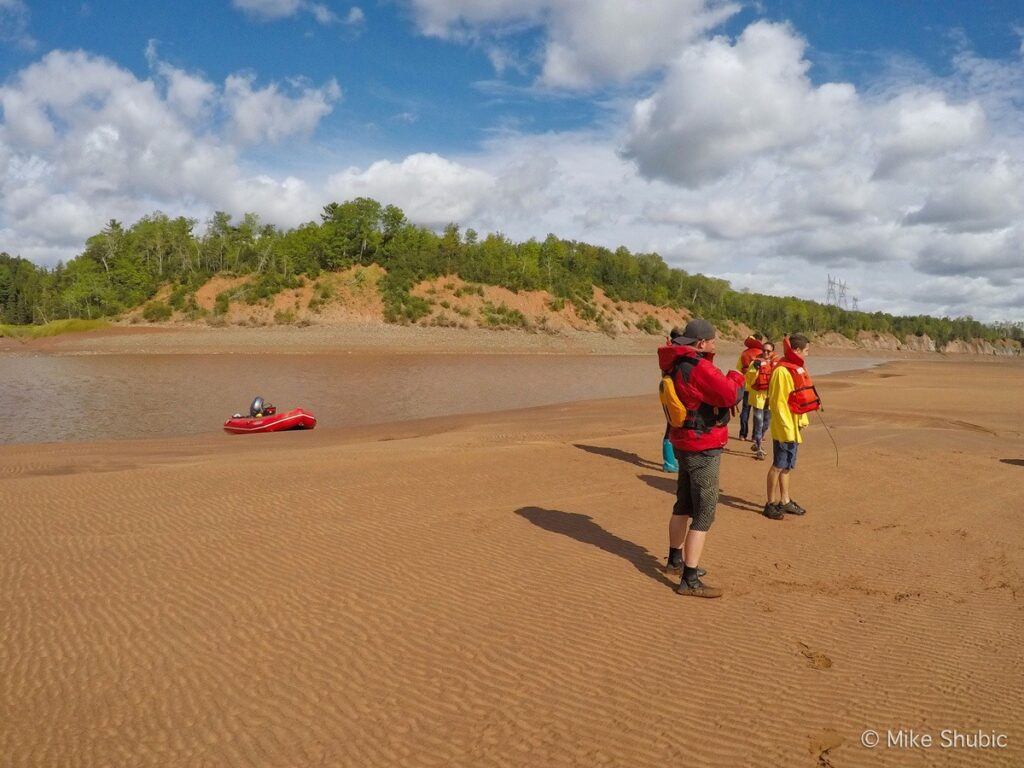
484,590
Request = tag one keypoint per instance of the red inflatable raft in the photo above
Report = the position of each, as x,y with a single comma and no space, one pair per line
277,422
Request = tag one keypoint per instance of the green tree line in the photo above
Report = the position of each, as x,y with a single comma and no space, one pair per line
123,267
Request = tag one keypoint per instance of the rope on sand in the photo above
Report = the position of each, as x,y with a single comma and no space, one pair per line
834,444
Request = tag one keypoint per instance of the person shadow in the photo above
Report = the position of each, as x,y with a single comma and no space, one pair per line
584,529
668,485
620,455
636,459
1013,462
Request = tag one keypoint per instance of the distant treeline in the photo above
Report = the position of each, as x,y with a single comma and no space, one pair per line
122,268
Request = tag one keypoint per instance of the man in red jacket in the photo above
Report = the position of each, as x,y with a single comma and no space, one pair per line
709,397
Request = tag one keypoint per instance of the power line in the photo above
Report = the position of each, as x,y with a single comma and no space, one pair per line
831,296
835,296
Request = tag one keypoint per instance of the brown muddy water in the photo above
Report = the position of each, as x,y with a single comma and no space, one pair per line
55,398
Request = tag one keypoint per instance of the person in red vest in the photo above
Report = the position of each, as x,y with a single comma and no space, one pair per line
759,376
751,350
710,398
791,396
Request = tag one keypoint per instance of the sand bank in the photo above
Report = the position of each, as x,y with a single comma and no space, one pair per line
484,590
359,338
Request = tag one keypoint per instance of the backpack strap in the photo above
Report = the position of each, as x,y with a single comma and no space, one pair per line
706,416
689,363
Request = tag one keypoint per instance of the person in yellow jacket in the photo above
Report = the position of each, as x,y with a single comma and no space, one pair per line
751,349
758,398
786,428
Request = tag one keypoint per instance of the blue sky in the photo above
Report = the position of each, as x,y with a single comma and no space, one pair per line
712,132
390,73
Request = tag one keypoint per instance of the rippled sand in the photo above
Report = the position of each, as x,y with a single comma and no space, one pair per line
485,591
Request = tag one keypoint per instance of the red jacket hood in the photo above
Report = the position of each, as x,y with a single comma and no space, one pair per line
669,353
789,354
751,343
694,352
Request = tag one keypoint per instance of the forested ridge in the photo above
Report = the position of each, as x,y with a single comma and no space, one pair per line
123,267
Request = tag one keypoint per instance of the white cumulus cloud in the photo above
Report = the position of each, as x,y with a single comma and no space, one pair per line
587,43
922,176
269,114
83,140
430,188
191,95
724,102
920,126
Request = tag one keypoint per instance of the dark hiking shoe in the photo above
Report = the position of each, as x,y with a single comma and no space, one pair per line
755,447
697,588
773,511
792,508
676,569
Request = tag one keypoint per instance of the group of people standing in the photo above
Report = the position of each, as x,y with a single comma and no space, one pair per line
770,393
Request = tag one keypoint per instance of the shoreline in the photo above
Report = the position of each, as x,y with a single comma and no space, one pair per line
210,442
84,398
381,431
376,337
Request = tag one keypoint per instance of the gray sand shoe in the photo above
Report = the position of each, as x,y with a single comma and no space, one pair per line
792,508
697,588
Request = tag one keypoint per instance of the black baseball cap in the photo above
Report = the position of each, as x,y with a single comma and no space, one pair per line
696,330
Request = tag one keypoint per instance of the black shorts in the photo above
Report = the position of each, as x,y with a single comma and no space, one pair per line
697,492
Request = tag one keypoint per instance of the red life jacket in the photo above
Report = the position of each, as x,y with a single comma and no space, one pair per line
752,351
804,398
678,362
765,368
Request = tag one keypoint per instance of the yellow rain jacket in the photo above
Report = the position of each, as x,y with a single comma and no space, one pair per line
758,398
786,425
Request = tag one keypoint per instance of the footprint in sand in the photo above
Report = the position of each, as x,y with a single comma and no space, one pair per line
816,659
822,744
